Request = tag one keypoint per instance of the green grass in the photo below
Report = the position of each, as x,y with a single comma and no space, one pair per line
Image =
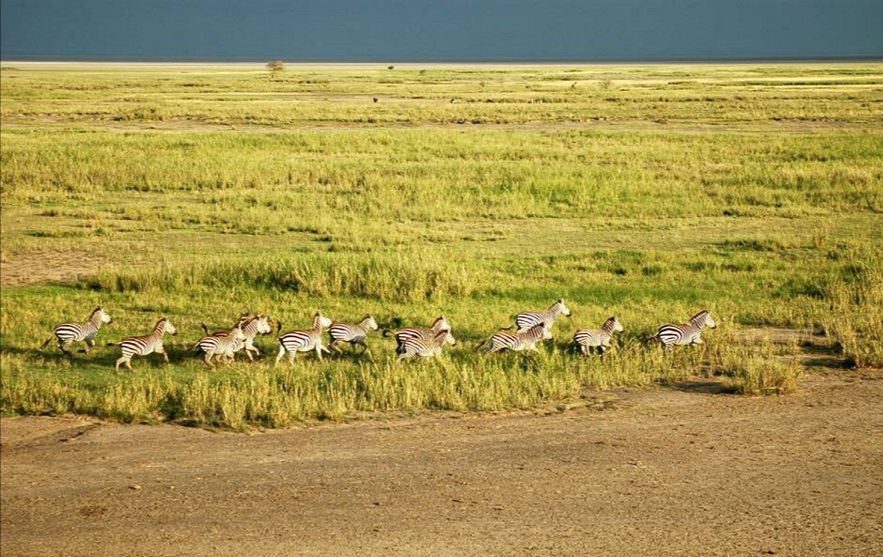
645,192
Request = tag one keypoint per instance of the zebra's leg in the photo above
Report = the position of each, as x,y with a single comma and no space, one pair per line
279,356
119,361
207,358
65,349
333,346
165,356
90,344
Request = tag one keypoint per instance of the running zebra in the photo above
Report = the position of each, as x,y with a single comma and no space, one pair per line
69,333
587,339
353,334
528,319
251,326
424,347
223,344
504,340
145,345
685,333
440,324
304,341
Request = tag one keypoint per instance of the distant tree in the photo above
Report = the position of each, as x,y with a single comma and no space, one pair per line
275,67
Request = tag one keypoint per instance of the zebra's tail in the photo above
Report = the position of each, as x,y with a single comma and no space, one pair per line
480,344
45,344
113,343
204,328
387,332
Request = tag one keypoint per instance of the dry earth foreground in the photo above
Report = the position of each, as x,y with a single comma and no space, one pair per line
669,471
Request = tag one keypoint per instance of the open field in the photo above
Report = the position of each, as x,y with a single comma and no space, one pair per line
648,192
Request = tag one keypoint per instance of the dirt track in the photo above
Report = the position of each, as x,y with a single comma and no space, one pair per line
660,472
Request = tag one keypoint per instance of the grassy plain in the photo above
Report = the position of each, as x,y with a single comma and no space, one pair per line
648,192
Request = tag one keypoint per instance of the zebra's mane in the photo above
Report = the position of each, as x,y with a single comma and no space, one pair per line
701,315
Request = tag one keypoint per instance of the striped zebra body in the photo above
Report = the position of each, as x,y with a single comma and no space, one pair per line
147,344
685,333
440,324
528,319
424,347
304,341
587,339
251,327
505,340
69,333
353,334
222,344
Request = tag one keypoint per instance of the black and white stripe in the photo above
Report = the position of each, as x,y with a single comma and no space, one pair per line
528,319
424,347
353,334
69,333
685,333
440,324
304,341
147,344
251,327
587,339
505,340
225,344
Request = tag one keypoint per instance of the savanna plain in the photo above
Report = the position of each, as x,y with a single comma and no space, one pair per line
648,192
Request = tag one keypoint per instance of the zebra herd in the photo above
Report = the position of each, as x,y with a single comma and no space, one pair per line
531,328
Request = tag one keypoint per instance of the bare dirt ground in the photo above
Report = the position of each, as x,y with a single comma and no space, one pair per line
669,471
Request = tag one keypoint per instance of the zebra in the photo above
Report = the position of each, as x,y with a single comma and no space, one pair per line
223,344
440,324
587,339
353,334
251,327
527,319
304,341
68,333
424,347
504,340
685,333
145,345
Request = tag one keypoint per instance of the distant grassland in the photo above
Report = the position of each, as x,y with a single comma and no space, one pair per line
648,192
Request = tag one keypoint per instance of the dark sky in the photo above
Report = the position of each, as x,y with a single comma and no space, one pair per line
438,30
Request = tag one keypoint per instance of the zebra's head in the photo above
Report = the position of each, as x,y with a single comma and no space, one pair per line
441,324
561,308
369,323
101,315
448,338
263,323
321,321
709,322
165,326
613,325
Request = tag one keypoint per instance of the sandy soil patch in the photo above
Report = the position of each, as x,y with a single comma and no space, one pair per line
669,471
